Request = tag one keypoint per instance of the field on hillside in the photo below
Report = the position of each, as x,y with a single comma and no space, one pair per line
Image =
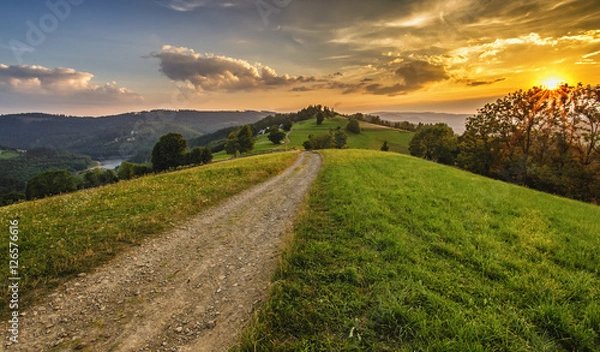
9,154
395,253
371,136
63,236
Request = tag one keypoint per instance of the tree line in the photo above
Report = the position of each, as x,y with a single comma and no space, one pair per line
540,138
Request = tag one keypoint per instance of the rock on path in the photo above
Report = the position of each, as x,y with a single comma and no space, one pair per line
191,289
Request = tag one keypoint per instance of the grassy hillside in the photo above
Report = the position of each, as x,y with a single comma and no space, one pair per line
394,253
9,154
63,236
371,137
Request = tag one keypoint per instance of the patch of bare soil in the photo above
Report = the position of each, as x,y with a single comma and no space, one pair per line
191,289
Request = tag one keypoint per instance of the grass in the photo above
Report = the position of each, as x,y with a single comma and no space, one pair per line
9,154
393,253
73,233
371,137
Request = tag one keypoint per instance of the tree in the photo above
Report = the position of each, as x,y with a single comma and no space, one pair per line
11,197
321,141
199,156
276,135
434,142
385,147
240,141
320,118
245,139
546,139
353,126
129,170
169,152
340,138
50,183
99,177
232,144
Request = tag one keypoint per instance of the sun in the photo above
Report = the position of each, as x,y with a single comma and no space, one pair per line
553,82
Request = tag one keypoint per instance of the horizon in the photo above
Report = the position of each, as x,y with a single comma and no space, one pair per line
85,58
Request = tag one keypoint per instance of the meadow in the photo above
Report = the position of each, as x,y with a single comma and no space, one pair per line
394,253
9,154
65,235
371,137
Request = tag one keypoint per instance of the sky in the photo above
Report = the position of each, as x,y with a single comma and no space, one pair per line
98,57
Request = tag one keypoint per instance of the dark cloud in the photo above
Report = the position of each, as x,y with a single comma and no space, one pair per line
302,89
413,75
476,83
418,73
220,73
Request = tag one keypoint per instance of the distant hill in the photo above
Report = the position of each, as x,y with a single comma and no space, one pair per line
118,135
456,121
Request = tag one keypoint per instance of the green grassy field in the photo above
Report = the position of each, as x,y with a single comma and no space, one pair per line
66,235
393,253
9,154
371,137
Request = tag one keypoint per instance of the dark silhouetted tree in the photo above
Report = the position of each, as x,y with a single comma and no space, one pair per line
169,152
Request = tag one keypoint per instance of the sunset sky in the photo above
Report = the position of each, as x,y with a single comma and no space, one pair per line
95,57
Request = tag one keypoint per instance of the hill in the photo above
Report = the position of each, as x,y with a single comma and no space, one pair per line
394,253
113,136
371,137
456,121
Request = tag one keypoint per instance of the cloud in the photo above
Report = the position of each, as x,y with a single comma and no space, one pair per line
220,73
191,5
412,75
59,82
476,83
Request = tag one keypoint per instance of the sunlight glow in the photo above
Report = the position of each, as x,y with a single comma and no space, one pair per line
552,82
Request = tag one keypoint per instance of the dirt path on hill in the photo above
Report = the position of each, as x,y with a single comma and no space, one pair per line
191,289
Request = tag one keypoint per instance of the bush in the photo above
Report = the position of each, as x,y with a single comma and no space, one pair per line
129,170
276,136
353,126
50,183
199,156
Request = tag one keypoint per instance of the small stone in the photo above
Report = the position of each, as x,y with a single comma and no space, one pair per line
178,329
210,324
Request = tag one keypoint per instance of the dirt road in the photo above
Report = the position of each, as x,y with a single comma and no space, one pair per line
191,289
